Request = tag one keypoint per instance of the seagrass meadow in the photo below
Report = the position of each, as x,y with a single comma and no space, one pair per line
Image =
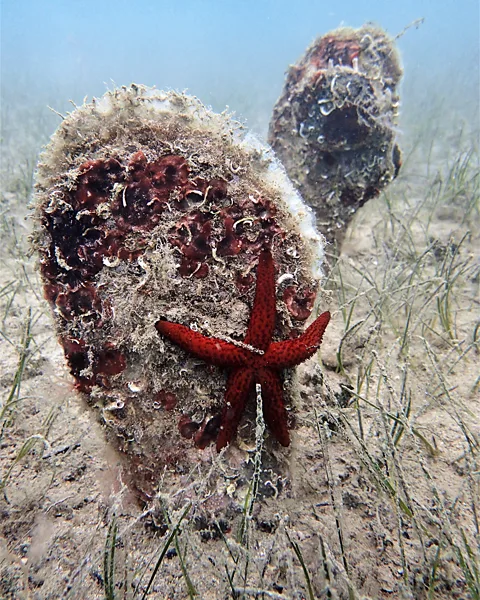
376,497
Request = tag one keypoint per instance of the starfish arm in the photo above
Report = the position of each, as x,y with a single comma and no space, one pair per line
212,350
273,405
238,388
289,353
262,320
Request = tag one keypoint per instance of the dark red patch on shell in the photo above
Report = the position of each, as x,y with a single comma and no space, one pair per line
187,427
90,368
95,182
149,187
192,235
193,268
110,361
244,282
208,432
77,354
79,301
167,399
299,302
231,244
339,51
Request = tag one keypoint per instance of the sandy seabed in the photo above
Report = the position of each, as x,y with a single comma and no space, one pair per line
379,491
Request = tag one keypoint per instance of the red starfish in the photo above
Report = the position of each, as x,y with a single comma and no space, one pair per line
259,365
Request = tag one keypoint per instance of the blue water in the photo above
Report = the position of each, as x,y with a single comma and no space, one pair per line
225,52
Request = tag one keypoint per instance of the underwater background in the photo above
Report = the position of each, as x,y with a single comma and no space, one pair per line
226,53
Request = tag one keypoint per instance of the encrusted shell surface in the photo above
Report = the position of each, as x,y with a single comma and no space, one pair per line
149,205
334,125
